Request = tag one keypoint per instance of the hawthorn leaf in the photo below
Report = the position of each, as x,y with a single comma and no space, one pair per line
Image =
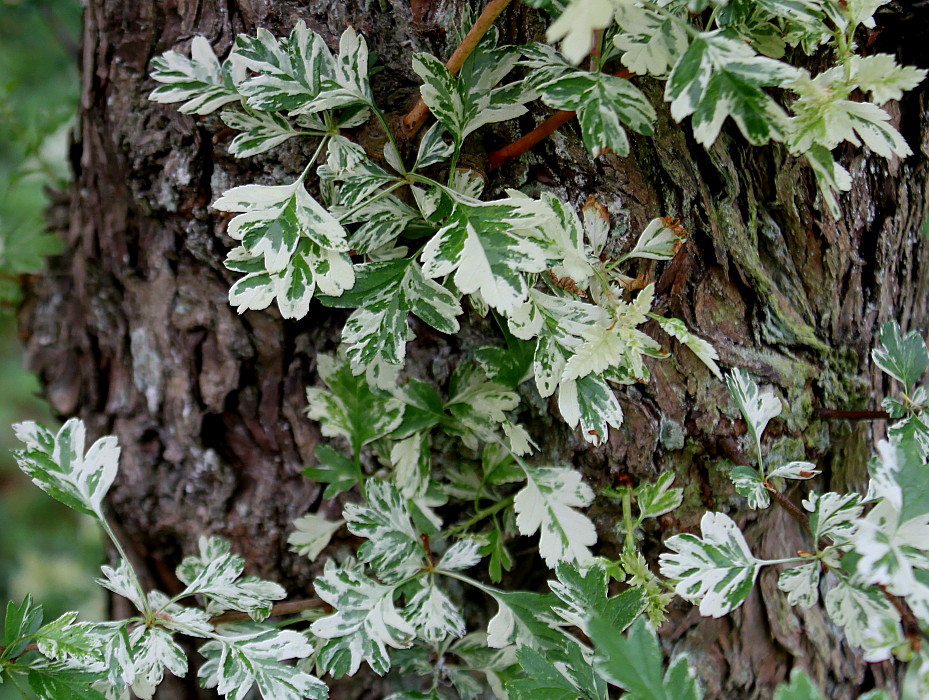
716,570
584,593
153,651
384,295
463,554
705,352
719,77
19,624
883,77
216,574
859,609
634,663
799,687
273,218
576,25
261,131
237,662
393,546
58,465
433,615
123,582
364,624
412,462
748,483
590,402
543,679
463,105
757,407
524,619
659,498
892,548
55,680
433,148
349,407
547,505
903,357
200,82
651,43
288,72
795,470
312,533
801,584
833,515
488,246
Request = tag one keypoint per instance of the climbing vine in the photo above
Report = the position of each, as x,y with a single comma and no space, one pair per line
404,231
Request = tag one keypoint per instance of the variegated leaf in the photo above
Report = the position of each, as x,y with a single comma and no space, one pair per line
433,615
650,42
547,505
716,570
199,81
590,402
720,77
801,584
364,624
576,26
58,465
215,574
748,483
261,131
701,348
236,662
758,407
833,515
312,533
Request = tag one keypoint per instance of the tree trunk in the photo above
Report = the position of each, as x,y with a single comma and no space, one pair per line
131,329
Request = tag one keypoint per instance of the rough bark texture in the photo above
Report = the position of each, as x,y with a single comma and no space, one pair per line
130,328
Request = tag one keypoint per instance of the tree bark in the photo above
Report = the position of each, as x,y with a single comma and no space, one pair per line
131,330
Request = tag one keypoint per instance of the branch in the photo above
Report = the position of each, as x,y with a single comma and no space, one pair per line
416,117
289,607
852,415
540,133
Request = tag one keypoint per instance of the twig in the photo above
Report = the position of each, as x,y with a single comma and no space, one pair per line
540,133
416,117
289,607
789,506
852,415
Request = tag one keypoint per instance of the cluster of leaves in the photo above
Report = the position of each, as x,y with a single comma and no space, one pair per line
67,658
539,267
731,62
868,555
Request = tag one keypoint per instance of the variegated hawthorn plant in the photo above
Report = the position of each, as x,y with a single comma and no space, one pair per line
389,235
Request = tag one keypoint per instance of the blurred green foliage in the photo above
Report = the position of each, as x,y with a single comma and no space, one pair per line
45,548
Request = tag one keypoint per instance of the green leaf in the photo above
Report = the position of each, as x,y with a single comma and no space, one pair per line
543,679
500,559
199,81
585,594
650,42
215,574
748,483
719,77
312,533
364,624
58,465
717,570
658,498
634,663
56,681
350,407
757,407
393,546
524,619
903,358
237,662
261,131
384,294
333,469
489,246
605,105
468,102
799,687
19,624
590,402
289,71
547,505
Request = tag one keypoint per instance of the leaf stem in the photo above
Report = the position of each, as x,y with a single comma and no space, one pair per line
288,607
146,606
481,515
312,161
416,117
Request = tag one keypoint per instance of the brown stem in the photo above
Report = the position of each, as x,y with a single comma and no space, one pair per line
416,117
789,506
540,133
520,146
852,415
289,607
